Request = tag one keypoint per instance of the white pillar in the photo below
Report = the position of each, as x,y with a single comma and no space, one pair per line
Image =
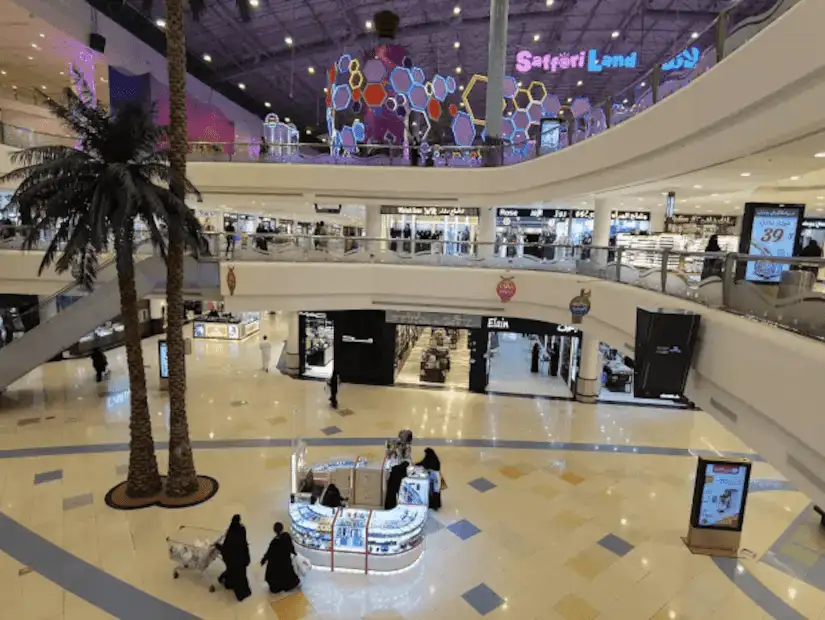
657,221
48,308
589,382
601,229
292,356
496,57
156,307
373,227
486,232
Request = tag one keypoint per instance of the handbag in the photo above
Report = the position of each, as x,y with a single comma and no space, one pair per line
301,565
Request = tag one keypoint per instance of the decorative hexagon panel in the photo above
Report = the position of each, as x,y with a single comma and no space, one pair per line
537,91
418,75
341,97
521,120
374,70
434,109
550,106
450,84
440,89
507,128
418,97
510,86
401,79
343,63
374,95
347,137
356,79
464,130
522,99
534,112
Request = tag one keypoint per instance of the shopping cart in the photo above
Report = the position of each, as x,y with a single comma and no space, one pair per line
194,548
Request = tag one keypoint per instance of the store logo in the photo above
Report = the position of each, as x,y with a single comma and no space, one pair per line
686,59
580,306
494,323
506,289
356,340
565,329
508,212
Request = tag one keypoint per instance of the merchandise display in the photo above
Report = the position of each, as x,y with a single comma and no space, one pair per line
617,376
226,327
405,338
319,333
643,252
456,228
435,359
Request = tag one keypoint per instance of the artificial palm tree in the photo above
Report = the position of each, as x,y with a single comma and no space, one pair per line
91,196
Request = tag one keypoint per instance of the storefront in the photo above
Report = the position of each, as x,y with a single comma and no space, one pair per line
455,227
701,226
316,344
813,228
226,327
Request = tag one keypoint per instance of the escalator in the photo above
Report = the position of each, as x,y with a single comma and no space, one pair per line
61,331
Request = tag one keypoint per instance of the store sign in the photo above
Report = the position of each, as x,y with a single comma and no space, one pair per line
433,319
595,62
813,224
354,340
432,211
494,323
314,315
537,213
334,209
580,306
704,220
529,326
686,59
773,231
720,493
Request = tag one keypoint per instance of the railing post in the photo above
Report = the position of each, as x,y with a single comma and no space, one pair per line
721,34
663,270
654,82
619,252
608,112
728,279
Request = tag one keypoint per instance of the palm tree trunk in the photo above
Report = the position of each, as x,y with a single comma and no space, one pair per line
182,478
143,479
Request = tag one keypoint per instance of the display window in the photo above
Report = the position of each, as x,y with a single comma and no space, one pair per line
317,344
413,229
218,326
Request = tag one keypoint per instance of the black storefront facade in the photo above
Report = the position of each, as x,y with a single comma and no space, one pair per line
365,342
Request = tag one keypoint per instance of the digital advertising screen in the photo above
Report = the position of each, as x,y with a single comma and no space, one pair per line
720,494
769,230
549,136
163,359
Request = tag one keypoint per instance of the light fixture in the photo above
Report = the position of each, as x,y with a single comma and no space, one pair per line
254,3
311,70
30,57
13,87
160,23
456,10
642,84
569,99
698,206
288,40
35,46
42,36
509,114
43,87
207,58
242,86
267,104
2,72
520,84
368,24
326,90
820,197
462,104
579,83
61,73
697,187
536,37
456,44
549,3
794,178
615,34
103,79
694,35
745,174
820,155
461,87
287,119
624,101
458,69
309,132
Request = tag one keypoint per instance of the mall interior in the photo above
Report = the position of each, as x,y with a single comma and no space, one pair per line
571,247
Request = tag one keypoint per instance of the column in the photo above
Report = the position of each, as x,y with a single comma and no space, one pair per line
292,361
486,232
601,229
657,221
48,308
589,382
496,57
373,227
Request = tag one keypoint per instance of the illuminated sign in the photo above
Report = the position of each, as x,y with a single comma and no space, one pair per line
594,62
720,494
431,211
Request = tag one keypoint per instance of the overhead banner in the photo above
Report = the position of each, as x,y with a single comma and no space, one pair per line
433,319
431,211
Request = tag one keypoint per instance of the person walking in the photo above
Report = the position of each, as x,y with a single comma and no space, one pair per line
280,574
229,229
333,384
266,353
432,464
712,266
235,553
100,364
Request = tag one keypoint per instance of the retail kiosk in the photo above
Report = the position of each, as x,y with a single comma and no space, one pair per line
226,327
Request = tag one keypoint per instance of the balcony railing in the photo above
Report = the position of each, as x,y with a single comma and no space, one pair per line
795,301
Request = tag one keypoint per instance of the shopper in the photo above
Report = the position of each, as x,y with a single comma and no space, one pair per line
266,353
432,464
235,553
812,250
263,153
230,238
534,357
397,474
332,497
100,364
280,574
712,266
333,384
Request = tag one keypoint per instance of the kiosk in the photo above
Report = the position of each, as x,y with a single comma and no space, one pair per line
227,327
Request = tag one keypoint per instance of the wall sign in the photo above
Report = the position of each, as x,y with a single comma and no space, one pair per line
540,213
704,220
506,288
686,59
431,211
580,306
813,223
529,326
720,494
769,230
355,340
327,209
595,62
434,319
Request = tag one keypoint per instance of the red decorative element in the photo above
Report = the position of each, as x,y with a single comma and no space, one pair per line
356,94
332,74
434,109
329,98
453,109
506,289
374,95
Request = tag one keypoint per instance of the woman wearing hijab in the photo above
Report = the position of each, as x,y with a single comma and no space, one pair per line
280,574
712,266
235,553
397,475
432,464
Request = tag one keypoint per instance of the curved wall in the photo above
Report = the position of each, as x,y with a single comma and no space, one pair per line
767,93
762,382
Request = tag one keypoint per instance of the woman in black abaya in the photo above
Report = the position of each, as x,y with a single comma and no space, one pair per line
280,575
397,475
432,464
235,553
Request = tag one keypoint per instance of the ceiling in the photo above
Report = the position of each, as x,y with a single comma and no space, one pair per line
440,35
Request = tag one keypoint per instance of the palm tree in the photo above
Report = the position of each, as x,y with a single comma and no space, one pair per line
91,196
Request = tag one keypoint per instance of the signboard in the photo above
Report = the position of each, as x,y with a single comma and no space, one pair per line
720,493
431,211
595,62
704,220
770,230
549,134
163,359
327,209
670,204
433,319
578,214
528,326
813,223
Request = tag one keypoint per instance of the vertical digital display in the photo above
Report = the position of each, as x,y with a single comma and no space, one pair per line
163,359
720,492
770,230
549,136
670,205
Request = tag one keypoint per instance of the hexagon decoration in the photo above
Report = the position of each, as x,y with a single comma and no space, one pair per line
341,97
407,62
507,129
374,70
537,91
343,63
401,99
453,109
450,84
354,65
389,138
374,95
580,107
464,131
331,74
418,97
356,79
440,89
534,112
422,121
356,94
401,79
522,99
401,111
391,104
519,137
509,107
510,87
434,109
347,137
521,120
429,88
359,131
550,106
475,79
418,75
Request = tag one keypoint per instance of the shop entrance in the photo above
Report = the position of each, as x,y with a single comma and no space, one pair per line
316,344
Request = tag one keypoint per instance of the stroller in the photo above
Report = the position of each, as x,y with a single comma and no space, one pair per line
194,548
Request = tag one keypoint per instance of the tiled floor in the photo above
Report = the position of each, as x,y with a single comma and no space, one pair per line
554,510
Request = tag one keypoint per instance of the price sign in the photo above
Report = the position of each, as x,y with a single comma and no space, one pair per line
720,494
772,231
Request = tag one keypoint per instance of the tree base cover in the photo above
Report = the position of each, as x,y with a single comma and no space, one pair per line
118,499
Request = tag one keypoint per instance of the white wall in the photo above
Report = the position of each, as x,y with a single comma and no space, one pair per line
767,93
29,116
18,274
769,379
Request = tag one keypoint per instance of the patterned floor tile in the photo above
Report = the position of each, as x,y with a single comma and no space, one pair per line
511,472
48,476
77,501
572,478
294,606
331,430
571,607
482,485
617,545
463,529
432,526
483,599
